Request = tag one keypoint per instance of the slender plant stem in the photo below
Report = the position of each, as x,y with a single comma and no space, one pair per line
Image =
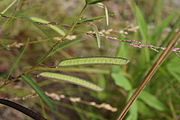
52,48
149,75
64,37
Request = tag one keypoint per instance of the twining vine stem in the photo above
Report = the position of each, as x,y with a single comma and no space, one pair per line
149,75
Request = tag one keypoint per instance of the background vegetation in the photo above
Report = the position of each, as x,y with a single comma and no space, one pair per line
137,30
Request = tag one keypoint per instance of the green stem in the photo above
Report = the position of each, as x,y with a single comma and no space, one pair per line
63,38
51,50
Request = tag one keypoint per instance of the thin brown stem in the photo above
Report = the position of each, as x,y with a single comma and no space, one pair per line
149,75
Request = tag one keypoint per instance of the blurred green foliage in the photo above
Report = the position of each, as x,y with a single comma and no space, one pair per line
44,23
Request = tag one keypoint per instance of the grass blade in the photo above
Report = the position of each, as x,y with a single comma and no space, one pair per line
71,79
9,6
143,30
93,60
159,29
107,15
39,91
97,35
150,74
15,63
101,5
55,28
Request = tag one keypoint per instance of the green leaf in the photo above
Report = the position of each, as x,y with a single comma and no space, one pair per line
16,62
142,24
97,35
151,100
121,81
93,60
93,1
94,18
101,5
159,29
71,79
144,33
9,6
107,15
55,28
144,109
174,68
39,91
133,112
62,46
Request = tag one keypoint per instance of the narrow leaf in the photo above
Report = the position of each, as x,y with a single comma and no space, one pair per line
65,45
55,28
95,18
101,5
97,35
39,91
61,46
151,100
71,79
159,29
142,23
143,31
93,1
107,15
9,6
93,60
16,62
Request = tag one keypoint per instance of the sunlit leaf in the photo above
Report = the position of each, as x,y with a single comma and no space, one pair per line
93,60
55,28
106,12
71,79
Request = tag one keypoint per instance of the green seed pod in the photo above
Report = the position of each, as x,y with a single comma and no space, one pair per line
93,61
72,79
